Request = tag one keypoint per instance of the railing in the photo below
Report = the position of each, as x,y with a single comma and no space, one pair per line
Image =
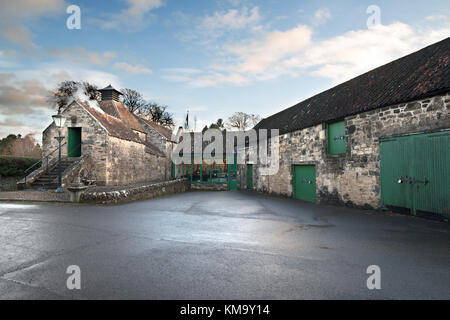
43,159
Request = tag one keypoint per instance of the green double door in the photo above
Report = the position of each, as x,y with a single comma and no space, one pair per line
74,143
232,173
305,182
415,172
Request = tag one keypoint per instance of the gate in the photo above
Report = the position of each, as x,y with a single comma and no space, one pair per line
305,182
415,173
203,173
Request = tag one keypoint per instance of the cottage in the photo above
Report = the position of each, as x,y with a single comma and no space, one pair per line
379,140
111,145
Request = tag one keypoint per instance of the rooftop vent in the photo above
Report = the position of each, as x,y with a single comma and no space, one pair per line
109,94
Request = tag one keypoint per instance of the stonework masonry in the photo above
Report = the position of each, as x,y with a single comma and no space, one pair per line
113,161
353,178
93,136
128,162
144,192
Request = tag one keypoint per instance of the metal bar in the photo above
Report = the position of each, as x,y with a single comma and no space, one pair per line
440,135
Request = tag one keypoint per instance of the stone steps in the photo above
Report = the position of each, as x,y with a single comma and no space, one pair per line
48,180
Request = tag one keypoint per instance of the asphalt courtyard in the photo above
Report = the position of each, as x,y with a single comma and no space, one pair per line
219,245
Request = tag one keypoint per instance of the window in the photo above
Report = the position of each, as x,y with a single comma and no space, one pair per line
336,137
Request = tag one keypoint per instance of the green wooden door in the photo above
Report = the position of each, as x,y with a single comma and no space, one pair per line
431,172
232,174
74,143
305,182
250,176
395,157
415,172
336,138
174,171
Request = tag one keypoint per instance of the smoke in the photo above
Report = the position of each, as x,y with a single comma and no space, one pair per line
81,95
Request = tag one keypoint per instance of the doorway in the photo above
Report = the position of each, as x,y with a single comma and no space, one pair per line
74,143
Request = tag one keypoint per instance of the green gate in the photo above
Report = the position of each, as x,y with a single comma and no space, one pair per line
415,172
305,182
74,143
249,176
232,173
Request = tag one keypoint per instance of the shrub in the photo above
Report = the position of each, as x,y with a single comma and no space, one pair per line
15,166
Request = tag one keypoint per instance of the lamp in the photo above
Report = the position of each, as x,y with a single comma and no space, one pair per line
59,121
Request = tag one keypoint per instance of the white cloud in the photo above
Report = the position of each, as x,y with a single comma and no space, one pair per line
436,17
180,74
23,95
235,3
132,69
355,52
294,51
29,8
135,17
53,73
260,55
7,59
223,24
212,79
14,14
230,20
321,16
81,55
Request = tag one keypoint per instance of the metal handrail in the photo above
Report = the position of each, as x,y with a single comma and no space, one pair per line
41,161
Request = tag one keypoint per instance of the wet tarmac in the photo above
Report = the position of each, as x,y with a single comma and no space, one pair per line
219,245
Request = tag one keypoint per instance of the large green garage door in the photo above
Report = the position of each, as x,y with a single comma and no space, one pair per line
415,172
305,182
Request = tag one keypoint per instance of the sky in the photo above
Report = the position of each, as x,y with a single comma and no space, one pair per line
211,57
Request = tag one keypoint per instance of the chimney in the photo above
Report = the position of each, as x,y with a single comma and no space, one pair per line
110,94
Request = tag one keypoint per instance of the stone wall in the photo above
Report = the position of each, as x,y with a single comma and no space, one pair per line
166,146
209,186
145,192
154,137
129,162
93,137
8,183
352,178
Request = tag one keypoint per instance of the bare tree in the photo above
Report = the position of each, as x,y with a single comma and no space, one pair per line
157,113
242,121
66,91
133,100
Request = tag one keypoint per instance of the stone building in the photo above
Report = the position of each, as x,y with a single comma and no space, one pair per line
379,140
114,146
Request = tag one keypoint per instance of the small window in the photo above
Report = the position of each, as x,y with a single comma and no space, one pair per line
336,137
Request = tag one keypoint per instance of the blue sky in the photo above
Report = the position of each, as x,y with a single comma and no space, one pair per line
212,57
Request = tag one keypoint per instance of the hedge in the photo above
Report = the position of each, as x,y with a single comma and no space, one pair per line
15,166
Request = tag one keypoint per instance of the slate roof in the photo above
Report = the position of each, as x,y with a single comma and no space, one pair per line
118,110
110,87
165,132
121,128
422,74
